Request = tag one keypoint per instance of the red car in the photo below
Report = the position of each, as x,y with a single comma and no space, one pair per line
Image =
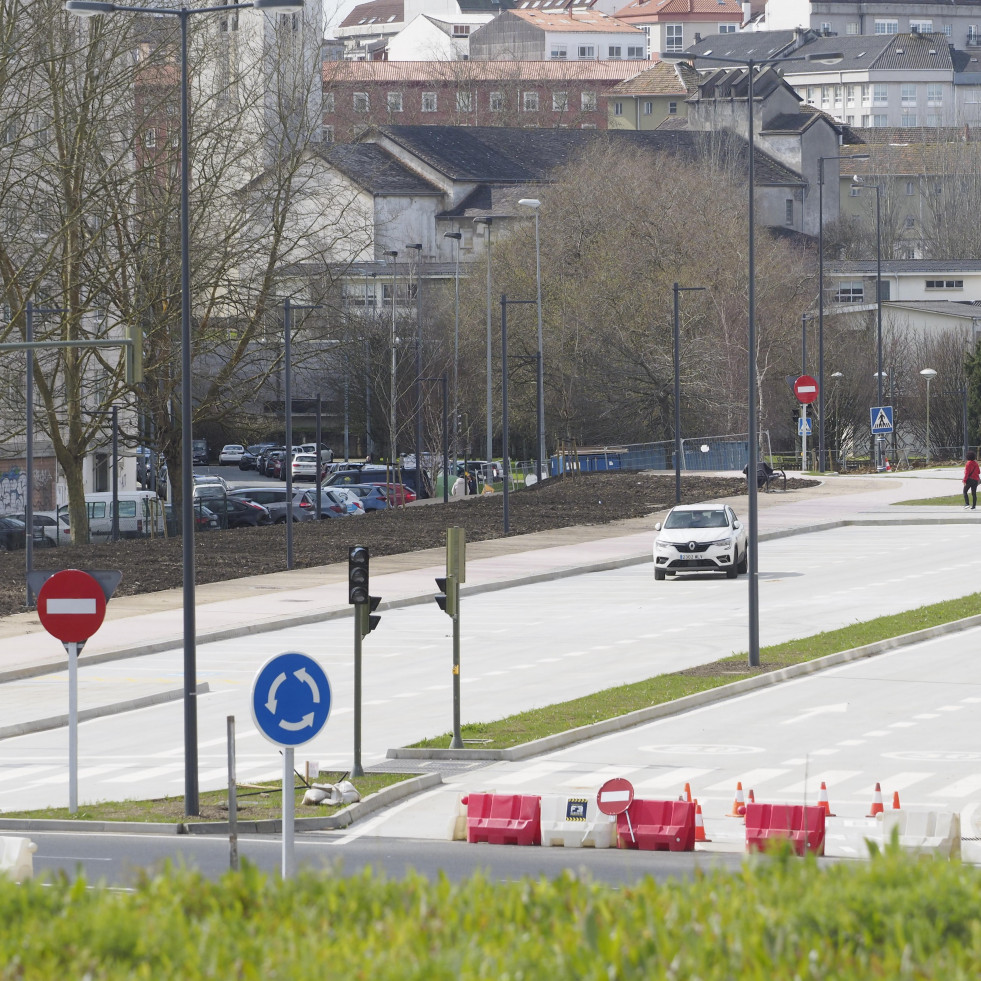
398,494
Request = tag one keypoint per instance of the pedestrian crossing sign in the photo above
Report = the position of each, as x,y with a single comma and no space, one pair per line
881,416
804,426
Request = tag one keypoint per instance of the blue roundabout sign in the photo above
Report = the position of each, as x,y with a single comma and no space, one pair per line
291,699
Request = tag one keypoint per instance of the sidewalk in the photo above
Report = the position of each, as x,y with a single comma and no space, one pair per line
153,622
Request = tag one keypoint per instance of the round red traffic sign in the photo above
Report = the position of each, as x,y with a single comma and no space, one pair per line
72,606
806,389
615,796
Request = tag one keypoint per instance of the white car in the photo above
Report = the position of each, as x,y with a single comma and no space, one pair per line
305,466
230,453
700,538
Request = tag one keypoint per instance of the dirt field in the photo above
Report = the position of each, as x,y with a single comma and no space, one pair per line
588,499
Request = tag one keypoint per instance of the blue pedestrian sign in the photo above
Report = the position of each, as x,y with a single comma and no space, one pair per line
804,427
291,699
881,417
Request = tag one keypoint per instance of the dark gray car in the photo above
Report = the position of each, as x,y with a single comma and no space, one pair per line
274,500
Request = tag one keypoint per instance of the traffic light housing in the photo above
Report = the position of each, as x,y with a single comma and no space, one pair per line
133,354
357,575
367,620
448,595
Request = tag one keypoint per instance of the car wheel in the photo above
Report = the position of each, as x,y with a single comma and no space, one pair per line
743,565
46,542
658,575
732,572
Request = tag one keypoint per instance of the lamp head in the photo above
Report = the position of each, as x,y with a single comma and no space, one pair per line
393,253
457,235
88,8
530,202
928,373
278,6
416,245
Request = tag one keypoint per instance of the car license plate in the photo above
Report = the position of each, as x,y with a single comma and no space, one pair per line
686,556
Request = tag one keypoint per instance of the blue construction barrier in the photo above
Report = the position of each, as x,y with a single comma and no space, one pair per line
720,455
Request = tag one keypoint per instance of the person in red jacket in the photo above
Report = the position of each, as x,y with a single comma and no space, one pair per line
972,473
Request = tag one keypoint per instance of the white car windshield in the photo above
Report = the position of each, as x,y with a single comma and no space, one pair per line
697,519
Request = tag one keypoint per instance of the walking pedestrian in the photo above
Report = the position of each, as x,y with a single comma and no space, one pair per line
972,473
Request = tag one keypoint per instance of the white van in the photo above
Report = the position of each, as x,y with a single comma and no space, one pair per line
141,515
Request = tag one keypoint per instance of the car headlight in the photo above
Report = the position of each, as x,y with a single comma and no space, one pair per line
663,545
722,543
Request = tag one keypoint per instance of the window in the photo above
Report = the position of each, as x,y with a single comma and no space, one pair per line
886,26
921,27
461,30
935,95
530,101
617,108
636,51
880,120
853,292
911,187
496,101
428,101
810,94
329,102
825,28
394,101
880,95
560,102
588,101
850,91
788,218
825,95
672,108
851,28
674,38
907,119
149,139
587,50
464,102
328,134
945,284
559,51
648,108
934,119
727,28
850,120
907,94
910,221
853,192
866,95
361,103
837,96
614,51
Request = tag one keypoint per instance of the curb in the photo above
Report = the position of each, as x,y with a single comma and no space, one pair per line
341,819
563,739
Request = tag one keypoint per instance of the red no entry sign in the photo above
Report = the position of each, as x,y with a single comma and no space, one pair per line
806,389
615,796
72,606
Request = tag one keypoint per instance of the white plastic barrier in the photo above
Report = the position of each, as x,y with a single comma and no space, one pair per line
17,857
971,833
458,823
925,832
576,822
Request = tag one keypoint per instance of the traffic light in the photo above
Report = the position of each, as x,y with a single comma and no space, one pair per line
357,575
446,598
367,620
133,354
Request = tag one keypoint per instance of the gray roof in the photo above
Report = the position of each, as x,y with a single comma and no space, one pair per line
926,267
376,171
743,46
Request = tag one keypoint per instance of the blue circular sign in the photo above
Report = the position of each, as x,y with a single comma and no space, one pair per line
291,699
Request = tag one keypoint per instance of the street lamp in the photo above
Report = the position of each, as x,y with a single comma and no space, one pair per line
878,282
857,156
456,237
393,255
417,248
751,65
90,8
540,380
929,374
488,220
677,387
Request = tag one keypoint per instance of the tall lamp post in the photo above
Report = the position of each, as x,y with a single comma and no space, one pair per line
488,220
857,156
456,237
89,8
751,66
417,387
676,289
393,255
540,380
929,374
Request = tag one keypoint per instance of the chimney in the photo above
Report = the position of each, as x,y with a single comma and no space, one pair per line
698,37
747,12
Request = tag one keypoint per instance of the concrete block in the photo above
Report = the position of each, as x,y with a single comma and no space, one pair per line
576,822
17,857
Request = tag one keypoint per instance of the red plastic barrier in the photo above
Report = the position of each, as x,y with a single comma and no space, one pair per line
504,819
658,825
804,826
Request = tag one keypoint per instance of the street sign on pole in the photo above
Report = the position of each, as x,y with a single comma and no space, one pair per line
804,426
806,389
291,700
881,418
615,797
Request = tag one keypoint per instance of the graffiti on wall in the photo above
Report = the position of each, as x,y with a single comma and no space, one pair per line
13,488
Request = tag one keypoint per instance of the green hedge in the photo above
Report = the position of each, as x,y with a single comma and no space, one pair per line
777,920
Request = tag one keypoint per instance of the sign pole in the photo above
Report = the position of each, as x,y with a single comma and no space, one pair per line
72,648
356,769
289,812
803,429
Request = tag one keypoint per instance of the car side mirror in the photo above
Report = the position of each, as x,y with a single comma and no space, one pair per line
657,525
737,524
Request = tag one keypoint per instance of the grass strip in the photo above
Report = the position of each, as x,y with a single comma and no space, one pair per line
952,501
523,727
256,802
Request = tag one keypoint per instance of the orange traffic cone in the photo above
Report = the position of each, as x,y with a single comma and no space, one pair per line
699,825
876,802
739,804
895,800
823,800
751,797
888,468
688,792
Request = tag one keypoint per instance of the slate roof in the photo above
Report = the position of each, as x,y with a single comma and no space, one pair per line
375,12
580,22
665,78
910,267
742,46
370,167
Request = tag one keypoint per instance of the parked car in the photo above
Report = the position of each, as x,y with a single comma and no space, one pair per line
230,453
335,502
275,466
700,538
251,455
374,474
141,514
305,466
273,499
374,497
262,460
398,494
209,480
13,534
200,453
49,529
326,453
241,513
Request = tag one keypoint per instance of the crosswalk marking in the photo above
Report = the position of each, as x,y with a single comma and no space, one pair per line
813,782
534,772
151,774
83,774
900,781
960,788
675,778
751,778
26,772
